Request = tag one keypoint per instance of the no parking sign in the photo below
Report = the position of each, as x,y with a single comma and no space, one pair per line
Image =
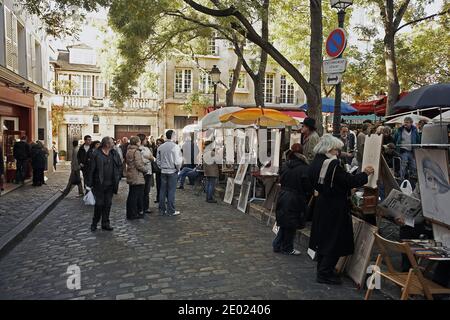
336,43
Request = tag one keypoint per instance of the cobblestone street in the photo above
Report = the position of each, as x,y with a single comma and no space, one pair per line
210,251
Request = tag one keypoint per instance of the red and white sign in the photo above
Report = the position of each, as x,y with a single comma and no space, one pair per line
336,43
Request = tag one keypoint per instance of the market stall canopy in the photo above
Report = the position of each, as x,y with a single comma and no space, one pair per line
377,106
260,117
435,95
191,128
328,106
445,117
212,119
416,118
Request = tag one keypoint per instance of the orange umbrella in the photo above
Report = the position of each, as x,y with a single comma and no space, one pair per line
260,117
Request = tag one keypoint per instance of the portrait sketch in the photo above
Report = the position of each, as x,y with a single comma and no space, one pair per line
243,197
240,174
432,169
229,191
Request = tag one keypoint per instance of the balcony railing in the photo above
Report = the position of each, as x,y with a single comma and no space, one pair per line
80,102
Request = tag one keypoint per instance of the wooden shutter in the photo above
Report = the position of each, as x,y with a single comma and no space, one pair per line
15,43
33,58
8,39
29,59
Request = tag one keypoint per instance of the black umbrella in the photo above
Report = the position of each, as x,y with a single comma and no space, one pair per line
435,95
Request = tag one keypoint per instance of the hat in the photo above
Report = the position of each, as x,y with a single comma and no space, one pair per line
310,123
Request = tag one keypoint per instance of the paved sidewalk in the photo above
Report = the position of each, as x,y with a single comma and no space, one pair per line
20,203
210,251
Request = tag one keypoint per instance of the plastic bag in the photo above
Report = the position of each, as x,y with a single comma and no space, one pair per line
406,188
89,199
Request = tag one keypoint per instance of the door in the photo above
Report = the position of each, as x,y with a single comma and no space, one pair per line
73,133
130,131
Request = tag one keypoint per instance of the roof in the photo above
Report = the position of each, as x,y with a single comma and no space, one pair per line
79,46
62,63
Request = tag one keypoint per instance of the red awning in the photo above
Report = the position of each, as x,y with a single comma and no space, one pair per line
377,107
295,114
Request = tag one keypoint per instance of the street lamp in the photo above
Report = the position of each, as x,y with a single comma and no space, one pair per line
215,79
341,5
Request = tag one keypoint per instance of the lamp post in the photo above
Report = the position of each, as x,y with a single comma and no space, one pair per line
215,79
341,5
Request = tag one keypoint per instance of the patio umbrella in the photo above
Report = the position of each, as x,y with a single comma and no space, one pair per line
435,95
260,117
416,118
212,121
191,128
328,106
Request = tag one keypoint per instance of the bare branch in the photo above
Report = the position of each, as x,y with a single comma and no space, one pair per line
423,19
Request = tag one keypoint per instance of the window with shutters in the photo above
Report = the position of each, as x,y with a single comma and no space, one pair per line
99,87
183,80
286,91
206,85
87,86
37,63
22,50
11,45
242,82
268,88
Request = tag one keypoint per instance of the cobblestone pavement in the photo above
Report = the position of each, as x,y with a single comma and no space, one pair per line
18,204
210,251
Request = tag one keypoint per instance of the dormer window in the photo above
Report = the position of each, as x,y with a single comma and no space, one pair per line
82,56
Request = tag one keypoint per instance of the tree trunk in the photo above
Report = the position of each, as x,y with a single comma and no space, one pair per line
313,94
231,90
391,72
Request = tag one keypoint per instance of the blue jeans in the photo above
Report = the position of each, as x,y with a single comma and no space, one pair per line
284,241
168,188
407,158
187,172
210,187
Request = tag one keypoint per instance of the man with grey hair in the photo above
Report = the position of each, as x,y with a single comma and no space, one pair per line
404,137
105,170
169,160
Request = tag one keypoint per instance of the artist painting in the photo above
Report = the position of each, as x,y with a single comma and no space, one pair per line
434,184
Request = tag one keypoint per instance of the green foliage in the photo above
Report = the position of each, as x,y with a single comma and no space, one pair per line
64,87
196,101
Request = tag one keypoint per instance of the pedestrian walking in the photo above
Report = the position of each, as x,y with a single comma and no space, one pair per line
332,229
103,179
38,163
75,174
291,204
309,138
404,137
147,157
157,170
169,160
22,154
135,179
82,157
55,154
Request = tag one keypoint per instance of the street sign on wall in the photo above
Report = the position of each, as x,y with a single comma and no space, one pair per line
336,43
334,66
332,79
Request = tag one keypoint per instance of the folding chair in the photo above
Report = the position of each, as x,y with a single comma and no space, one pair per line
412,282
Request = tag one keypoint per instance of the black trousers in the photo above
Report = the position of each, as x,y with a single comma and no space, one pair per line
146,199
284,240
38,176
407,232
21,170
74,177
103,201
135,200
158,184
326,265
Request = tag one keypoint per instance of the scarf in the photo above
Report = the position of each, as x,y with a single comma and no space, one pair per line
325,165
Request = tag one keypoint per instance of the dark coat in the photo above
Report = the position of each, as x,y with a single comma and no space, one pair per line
332,228
38,157
294,194
21,150
2,163
82,157
96,176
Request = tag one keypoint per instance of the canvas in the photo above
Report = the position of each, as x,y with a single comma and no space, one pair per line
387,177
295,138
371,157
432,169
240,174
243,197
229,191
442,235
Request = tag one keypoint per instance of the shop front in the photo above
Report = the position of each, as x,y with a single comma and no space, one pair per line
17,120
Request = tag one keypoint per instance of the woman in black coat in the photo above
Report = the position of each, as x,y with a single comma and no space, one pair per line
38,160
332,229
292,200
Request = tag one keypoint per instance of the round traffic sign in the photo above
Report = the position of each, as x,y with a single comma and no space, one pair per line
336,43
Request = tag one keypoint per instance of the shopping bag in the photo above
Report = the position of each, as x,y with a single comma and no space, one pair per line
89,199
406,188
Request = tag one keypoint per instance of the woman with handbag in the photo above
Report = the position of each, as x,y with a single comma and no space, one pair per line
332,228
291,202
135,179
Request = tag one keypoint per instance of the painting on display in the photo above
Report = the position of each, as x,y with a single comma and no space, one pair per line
240,174
432,169
442,235
357,264
397,204
243,197
229,191
371,157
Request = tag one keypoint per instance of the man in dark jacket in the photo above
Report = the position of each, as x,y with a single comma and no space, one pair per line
404,137
82,157
105,170
38,159
22,153
292,200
